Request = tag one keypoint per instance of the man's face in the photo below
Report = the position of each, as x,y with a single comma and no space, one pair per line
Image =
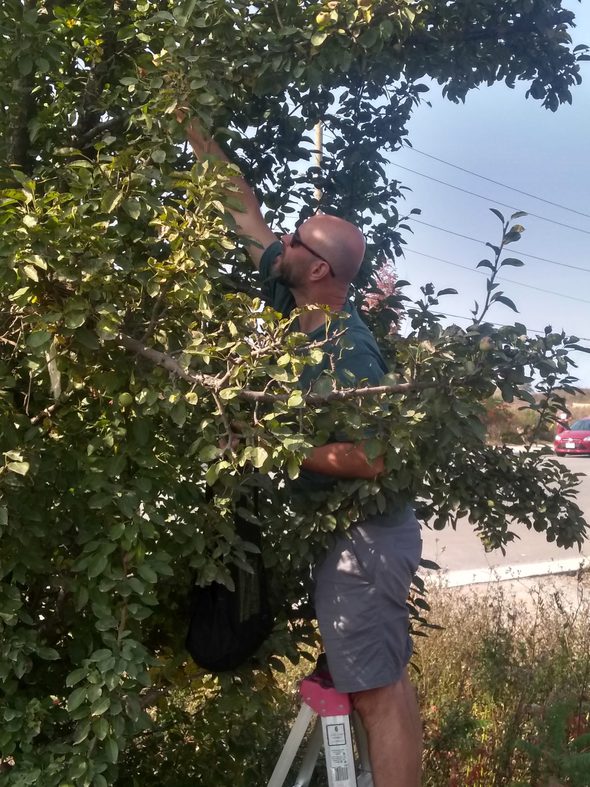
292,266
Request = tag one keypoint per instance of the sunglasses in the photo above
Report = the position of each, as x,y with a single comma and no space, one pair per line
297,241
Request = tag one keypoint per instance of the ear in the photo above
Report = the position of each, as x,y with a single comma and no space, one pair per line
318,270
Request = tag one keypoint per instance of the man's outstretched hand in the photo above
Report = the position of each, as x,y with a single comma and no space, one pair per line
200,142
250,222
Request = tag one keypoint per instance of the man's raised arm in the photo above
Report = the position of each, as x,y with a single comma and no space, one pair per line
251,225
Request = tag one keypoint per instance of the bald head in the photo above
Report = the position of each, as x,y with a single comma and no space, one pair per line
340,242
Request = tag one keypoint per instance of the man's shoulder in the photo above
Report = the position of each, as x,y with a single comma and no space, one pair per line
357,351
356,331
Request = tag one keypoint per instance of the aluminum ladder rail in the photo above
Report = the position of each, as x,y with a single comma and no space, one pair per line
337,726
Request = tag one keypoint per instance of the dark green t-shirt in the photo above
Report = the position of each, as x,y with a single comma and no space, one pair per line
353,354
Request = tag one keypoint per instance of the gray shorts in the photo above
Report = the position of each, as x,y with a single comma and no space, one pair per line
360,599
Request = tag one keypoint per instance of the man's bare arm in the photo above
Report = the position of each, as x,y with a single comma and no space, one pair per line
343,460
250,222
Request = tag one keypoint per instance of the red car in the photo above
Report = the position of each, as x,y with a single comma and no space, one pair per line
574,440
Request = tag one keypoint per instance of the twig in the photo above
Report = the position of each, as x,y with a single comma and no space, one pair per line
44,413
28,394
278,15
156,313
225,419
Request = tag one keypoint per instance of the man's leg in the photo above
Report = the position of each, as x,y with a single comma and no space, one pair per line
391,719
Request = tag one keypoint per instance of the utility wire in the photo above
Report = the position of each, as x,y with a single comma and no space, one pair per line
520,253
498,183
490,199
499,278
498,324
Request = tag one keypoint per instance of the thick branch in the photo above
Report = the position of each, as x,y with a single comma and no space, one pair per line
215,384
106,125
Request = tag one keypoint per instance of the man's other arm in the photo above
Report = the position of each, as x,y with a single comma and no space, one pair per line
251,224
343,460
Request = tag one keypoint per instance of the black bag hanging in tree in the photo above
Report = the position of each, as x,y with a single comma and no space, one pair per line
228,626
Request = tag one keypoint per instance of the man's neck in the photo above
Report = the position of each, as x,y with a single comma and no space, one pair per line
313,319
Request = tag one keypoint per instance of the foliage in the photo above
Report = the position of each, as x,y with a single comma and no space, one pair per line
132,335
505,687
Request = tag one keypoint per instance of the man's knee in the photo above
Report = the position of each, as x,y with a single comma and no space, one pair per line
374,704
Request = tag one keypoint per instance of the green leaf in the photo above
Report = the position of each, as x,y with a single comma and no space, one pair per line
20,468
48,654
133,208
101,705
209,452
506,301
159,156
97,566
293,467
111,750
178,413
37,260
20,293
373,448
259,456
323,386
25,64
75,320
318,39
31,272
228,393
76,698
498,214
101,728
111,199
146,572
295,398
512,261
81,732
136,585
76,676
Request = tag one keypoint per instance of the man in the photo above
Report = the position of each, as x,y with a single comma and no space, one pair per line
363,582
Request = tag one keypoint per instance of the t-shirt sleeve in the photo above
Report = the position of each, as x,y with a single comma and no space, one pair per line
359,366
274,293
361,363
353,370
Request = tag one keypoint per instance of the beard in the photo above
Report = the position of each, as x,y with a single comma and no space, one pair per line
286,275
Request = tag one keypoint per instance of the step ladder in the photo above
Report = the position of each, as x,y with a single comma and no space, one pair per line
337,726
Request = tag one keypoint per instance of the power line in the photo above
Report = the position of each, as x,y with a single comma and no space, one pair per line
499,278
520,253
497,324
490,199
498,183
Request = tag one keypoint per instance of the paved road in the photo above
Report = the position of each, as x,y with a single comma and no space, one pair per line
461,553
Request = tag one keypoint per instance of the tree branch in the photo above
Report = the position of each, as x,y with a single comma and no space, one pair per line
89,135
214,384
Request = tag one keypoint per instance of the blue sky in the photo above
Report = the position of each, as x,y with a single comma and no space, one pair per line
501,135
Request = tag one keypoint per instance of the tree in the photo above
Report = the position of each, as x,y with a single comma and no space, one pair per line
132,334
